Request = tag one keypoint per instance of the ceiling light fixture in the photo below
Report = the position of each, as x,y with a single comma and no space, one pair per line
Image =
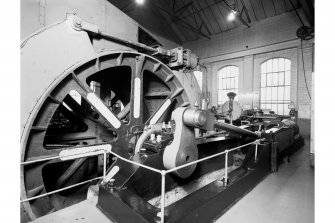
232,15
140,2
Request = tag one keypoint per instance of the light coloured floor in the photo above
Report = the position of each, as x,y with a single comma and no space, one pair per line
283,197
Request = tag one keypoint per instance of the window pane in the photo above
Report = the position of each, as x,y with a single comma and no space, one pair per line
220,96
263,80
280,109
220,84
275,79
281,78
269,79
268,94
287,93
229,71
281,64
263,68
274,94
280,93
224,72
269,66
262,94
267,106
236,82
287,77
228,83
274,108
235,72
224,95
287,64
286,109
232,83
275,65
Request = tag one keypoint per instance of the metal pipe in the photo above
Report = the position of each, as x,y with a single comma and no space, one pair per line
163,173
59,190
256,149
270,117
226,171
235,129
105,165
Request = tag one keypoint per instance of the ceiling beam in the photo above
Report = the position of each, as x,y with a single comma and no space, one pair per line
245,11
308,9
182,9
175,18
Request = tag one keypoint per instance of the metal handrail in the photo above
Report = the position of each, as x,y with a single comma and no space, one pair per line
162,172
62,189
103,151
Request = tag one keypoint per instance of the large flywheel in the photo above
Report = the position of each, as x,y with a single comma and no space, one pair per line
108,98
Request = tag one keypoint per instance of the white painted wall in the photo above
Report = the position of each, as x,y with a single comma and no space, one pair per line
247,48
37,14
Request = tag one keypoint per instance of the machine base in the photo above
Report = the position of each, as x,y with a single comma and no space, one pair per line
204,205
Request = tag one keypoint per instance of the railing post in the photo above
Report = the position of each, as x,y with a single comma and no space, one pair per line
104,170
256,150
163,173
226,170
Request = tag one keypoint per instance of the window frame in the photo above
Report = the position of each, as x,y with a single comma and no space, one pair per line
223,91
275,77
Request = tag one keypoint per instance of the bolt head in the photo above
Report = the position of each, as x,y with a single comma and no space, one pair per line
77,22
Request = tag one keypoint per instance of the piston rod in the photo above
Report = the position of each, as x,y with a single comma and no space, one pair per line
235,129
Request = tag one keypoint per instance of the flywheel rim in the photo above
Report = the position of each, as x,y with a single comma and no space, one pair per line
91,66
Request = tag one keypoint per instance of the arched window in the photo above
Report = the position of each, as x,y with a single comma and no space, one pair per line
227,82
275,85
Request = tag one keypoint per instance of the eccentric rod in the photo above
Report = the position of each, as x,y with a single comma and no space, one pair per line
235,129
128,42
82,25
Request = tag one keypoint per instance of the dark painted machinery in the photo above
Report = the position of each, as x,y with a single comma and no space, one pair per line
122,122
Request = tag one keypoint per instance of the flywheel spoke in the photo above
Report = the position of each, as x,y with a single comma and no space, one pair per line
98,104
136,99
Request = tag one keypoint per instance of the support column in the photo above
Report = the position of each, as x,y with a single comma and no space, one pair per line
246,87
